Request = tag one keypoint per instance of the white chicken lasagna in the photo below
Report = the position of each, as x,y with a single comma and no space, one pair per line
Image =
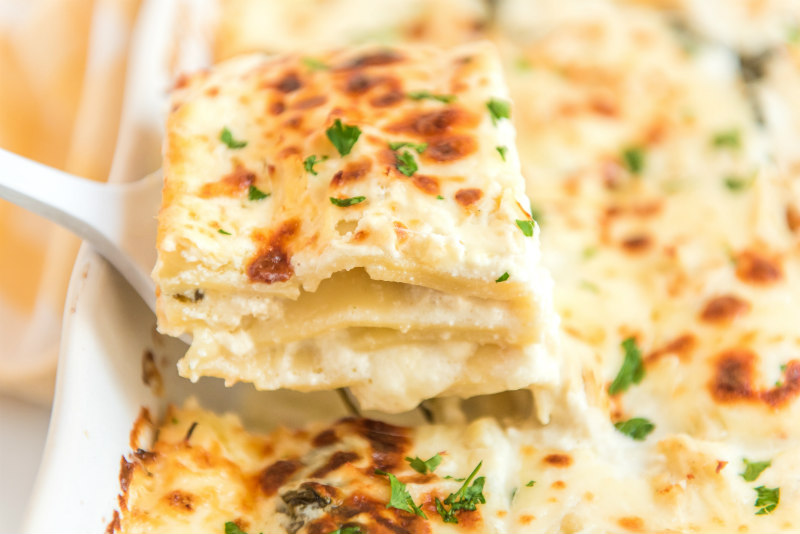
660,147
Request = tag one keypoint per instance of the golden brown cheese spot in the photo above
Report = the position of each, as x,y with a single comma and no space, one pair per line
558,460
758,269
526,519
433,124
388,442
680,346
789,388
390,98
325,438
637,244
793,219
603,106
125,474
720,466
230,185
427,184
632,523
734,376
376,59
273,263
337,460
372,516
310,102
724,309
352,172
468,197
558,484
180,500
401,230
114,524
289,83
212,91
276,475
276,108
294,123
449,148
734,380
358,83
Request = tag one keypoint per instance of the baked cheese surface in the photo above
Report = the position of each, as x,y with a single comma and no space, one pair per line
323,214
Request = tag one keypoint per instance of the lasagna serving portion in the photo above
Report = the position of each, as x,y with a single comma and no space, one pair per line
353,219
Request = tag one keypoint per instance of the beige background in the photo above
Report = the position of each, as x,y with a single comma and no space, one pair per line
62,68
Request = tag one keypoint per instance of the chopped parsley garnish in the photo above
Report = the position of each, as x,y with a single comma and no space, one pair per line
427,95
223,232
530,484
638,427
255,193
523,63
439,197
233,528
633,158
736,183
499,109
752,470
343,136
448,477
793,34
727,139
227,137
314,64
347,202
503,277
768,499
400,498
466,498
502,150
348,529
589,253
310,161
590,286
419,147
424,467
537,214
632,370
405,163
526,227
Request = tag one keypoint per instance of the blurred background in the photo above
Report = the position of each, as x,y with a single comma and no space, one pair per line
62,66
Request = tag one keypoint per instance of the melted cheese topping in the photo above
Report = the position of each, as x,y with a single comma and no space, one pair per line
296,290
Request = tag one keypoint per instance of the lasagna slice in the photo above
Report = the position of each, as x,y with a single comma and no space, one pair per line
353,219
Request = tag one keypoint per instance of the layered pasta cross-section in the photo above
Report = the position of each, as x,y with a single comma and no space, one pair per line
353,219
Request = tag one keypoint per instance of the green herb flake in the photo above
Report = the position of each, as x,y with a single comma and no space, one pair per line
424,467
526,227
343,136
439,197
530,484
466,498
448,477
314,64
634,159
223,232
727,139
227,137
752,470
419,147
638,427
310,161
348,529
499,109
174,420
589,253
523,64
503,277
502,150
233,528
427,95
768,499
737,183
793,34
589,286
632,370
405,163
400,497
255,193
347,202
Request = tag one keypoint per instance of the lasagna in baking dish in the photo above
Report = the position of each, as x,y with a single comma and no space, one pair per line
361,476
353,219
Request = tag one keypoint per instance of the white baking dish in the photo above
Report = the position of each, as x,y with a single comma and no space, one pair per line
107,328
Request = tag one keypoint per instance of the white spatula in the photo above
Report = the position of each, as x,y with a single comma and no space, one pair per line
118,220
